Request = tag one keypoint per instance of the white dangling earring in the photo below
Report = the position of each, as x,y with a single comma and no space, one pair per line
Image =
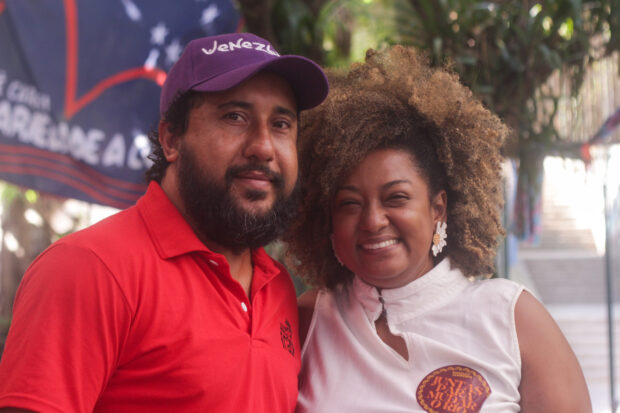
331,237
439,238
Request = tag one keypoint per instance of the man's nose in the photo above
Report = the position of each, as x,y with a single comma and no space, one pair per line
259,144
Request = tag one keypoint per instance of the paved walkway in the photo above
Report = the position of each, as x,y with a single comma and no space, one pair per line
567,272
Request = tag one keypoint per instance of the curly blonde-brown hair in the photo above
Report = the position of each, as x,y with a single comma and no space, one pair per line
396,100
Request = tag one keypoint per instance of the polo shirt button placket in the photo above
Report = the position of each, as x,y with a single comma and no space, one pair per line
244,306
246,316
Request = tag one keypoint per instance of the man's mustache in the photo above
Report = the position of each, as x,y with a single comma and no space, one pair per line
274,177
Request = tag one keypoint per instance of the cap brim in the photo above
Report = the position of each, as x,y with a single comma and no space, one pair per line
306,78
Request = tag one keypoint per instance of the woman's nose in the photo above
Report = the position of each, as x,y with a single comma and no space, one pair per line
374,218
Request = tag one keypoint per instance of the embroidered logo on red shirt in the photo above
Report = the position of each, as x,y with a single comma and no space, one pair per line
453,389
286,335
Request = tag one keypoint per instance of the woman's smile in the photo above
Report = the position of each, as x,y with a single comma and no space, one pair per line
380,246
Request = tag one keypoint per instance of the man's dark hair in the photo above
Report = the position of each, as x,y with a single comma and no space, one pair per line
177,118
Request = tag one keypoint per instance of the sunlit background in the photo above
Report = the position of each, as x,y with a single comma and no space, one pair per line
548,68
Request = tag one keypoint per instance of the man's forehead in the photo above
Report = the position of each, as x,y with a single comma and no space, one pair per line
264,89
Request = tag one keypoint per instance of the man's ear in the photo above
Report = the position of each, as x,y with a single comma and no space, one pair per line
169,143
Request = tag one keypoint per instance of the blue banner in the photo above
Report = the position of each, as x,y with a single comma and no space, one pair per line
79,89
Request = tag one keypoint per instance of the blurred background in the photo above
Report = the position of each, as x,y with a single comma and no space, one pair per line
79,91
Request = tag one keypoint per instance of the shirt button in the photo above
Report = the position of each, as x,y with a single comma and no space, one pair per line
214,262
244,307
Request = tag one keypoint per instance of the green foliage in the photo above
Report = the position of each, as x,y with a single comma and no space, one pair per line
5,322
8,193
31,195
351,26
504,50
296,27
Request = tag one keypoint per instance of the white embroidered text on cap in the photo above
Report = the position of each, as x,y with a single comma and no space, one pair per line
231,46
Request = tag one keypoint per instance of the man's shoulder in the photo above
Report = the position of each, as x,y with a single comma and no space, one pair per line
112,239
121,227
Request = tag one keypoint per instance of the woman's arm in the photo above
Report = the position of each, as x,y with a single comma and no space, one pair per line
552,380
305,303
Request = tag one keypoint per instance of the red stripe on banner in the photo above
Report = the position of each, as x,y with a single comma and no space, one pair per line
71,57
240,25
73,105
27,160
64,159
2,5
154,74
25,170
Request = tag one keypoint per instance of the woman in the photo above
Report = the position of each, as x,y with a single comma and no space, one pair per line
400,171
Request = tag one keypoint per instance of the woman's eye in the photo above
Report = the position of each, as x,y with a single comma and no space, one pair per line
397,198
347,203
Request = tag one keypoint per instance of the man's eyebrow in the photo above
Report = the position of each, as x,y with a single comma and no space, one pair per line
284,111
235,103
247,105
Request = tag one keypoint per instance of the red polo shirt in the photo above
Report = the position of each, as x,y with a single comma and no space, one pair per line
135,314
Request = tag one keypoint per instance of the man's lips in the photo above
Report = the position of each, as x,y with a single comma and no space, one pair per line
259,177
254,175
255,179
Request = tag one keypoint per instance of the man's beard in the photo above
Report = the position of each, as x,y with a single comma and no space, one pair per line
218,216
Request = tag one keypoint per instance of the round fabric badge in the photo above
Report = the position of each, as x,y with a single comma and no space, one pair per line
453,389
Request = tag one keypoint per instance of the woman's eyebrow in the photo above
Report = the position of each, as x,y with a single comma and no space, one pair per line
395,182
347,188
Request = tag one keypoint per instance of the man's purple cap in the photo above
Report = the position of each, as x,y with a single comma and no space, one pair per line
218,63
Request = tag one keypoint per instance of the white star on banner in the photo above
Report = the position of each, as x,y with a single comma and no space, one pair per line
209,14
132,11
173,51
159,33
151,60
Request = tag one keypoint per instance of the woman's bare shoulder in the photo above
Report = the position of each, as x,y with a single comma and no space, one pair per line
305,303
552,380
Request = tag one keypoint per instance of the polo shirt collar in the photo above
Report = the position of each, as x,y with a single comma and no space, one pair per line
172,235
170,232
429,291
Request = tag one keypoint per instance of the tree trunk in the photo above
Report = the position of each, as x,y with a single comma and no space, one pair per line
257,15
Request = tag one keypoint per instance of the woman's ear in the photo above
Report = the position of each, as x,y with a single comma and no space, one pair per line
169,143
439,205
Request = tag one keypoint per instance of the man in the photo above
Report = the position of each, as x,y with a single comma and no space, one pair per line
172,305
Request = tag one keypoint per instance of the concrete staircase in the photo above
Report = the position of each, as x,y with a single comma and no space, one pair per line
585,327
567,272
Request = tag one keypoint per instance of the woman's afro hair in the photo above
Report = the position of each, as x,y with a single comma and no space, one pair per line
396,100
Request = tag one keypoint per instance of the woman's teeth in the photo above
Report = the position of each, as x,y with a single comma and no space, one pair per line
378,245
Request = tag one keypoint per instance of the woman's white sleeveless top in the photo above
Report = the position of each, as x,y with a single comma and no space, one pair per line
461,339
